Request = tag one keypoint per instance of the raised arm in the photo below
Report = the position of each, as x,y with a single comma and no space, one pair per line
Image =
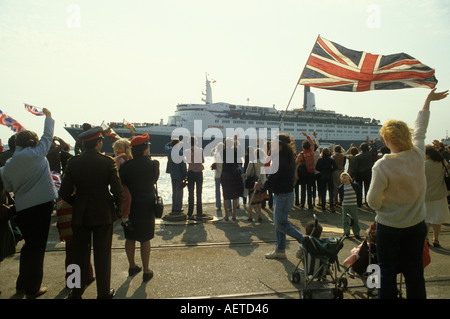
421,123
434,96
47,138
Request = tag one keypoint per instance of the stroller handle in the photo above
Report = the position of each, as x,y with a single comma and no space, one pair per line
316,221
351,219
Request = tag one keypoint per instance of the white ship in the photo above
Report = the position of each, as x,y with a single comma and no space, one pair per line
331,127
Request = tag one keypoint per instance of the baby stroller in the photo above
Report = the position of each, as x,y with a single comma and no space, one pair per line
367,255
320,259
362,256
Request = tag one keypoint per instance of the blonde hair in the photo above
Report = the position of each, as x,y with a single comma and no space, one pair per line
397,133
124,144
346,174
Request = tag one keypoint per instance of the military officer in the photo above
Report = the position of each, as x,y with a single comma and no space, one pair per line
92,186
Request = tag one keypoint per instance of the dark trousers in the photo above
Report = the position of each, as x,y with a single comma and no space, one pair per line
177,195
297,193
315,185
34,223
401,250
326,180
195,180
69,260
306,187
364,178
101,236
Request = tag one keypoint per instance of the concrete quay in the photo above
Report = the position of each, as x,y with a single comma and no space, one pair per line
214,258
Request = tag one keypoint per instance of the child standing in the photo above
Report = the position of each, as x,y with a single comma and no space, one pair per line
351,196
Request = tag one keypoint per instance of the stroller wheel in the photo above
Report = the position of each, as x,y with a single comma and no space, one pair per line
337,293
295,277
343,282
306,294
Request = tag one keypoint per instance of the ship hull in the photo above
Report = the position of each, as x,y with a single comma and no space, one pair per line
159,140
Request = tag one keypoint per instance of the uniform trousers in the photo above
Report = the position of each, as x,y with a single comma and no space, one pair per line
101,236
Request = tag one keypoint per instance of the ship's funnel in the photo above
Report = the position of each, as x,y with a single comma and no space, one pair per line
309,100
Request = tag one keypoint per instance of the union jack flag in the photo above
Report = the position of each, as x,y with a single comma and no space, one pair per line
334,67
10,122
33,110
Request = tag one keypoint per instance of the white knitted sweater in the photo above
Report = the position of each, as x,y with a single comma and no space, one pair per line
398,186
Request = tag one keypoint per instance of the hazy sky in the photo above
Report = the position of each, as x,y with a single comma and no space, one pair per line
89,61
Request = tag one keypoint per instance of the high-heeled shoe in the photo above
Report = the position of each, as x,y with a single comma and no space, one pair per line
436,244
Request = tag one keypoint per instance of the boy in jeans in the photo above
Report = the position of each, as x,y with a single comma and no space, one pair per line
350,193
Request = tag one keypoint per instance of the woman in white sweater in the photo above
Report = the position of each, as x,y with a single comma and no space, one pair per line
397,194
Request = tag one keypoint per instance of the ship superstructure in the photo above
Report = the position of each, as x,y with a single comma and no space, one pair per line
331,127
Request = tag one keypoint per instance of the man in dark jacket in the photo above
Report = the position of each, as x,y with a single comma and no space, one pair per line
178,173
86,185
53,155
363,166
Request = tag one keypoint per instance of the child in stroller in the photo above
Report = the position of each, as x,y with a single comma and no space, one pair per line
361,257
366,254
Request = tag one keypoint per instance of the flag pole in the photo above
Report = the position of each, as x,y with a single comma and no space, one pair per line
318,36
289,103
297,84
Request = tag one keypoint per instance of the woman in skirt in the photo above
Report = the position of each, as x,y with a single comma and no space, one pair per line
140,175
231,179
256,197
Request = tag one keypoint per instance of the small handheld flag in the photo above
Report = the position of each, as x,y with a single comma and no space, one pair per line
129,125
34,110
8,121
56,177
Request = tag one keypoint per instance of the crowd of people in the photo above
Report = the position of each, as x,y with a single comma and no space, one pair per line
97,190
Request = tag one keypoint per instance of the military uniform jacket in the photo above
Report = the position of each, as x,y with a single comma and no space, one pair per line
92,186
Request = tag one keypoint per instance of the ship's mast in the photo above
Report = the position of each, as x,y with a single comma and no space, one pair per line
208,94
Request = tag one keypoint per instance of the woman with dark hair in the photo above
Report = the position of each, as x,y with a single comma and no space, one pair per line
140,175
282,184
255,198
195,159
340,159
230,179
27,175
351,155
436,194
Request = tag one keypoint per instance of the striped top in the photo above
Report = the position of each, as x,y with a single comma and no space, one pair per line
349,196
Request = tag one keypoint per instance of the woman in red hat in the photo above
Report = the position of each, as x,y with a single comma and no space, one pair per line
140,175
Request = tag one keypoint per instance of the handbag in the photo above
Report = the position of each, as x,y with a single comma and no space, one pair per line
159,204
251,180
302,170
426,255
236,171
446,177
6,212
